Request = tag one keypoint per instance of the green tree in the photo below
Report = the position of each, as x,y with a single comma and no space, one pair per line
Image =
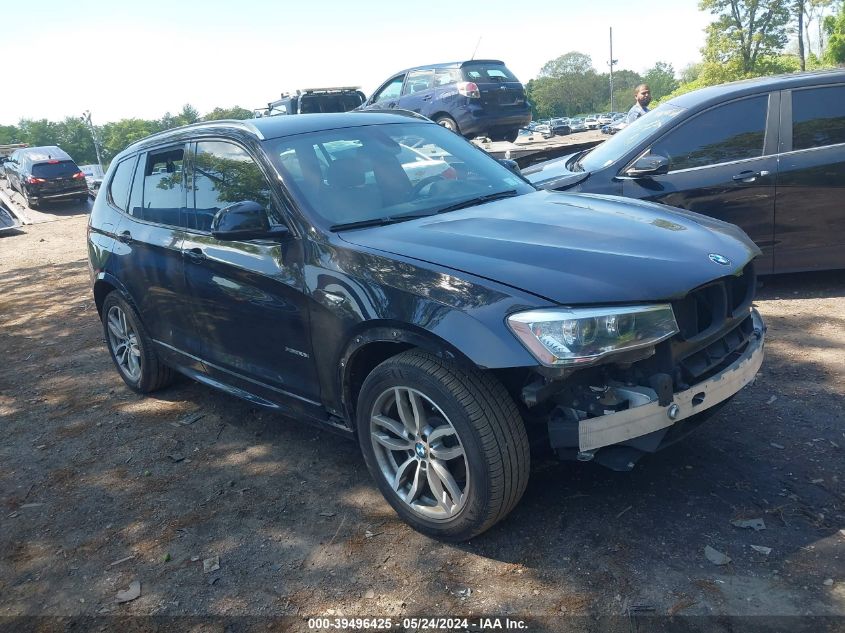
73,136
189,114
235,112
9,134
834,27
571,63
661,79
745,32
118,135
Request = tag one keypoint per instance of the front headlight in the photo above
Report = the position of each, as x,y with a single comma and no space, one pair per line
581,336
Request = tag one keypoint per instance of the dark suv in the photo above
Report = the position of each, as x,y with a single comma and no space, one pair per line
480,97
45,174
314,100
385,278
767,154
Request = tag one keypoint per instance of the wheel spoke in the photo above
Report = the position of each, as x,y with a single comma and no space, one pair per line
420,418
134,365
390,424
400,472
392,443
440,432
446,452
442,473
114,328
406,415
437,491
416,485
123,321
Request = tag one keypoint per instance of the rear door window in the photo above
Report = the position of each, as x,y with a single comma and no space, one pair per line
818,117
158,193
55,169
419,81
727,133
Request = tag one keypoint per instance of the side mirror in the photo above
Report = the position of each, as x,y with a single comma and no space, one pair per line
511,164
245,220
649,165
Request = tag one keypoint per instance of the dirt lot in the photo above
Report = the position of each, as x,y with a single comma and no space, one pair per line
100,488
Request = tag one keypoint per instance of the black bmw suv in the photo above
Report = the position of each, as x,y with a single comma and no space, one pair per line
45,174
381,276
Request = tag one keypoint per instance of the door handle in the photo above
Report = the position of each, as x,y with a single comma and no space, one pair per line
125,237
194,254
749,176
427,98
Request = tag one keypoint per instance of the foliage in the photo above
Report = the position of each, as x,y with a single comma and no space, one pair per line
236,112
834,27
661,80
746,32
569,85
74,136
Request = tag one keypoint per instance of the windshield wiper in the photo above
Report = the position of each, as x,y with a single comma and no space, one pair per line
510,193
361,224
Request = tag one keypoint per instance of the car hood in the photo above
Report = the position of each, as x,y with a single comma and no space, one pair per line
554,174
572,248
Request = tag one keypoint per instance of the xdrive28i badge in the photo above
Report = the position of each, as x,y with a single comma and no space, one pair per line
719,259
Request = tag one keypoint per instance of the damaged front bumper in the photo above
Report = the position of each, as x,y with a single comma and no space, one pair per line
618,438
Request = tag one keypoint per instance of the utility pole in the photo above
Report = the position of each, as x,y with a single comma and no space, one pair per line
612,61
86,118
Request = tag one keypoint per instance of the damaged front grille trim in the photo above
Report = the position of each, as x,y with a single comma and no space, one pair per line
615,428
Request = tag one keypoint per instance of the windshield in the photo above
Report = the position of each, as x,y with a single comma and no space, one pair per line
629,137
387,172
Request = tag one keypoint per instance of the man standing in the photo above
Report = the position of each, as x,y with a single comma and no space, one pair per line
642,94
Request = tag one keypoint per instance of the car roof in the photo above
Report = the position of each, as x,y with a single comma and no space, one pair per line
716,94
47,152
453,64
279,126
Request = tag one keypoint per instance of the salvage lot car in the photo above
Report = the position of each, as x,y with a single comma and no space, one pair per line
479,97
292,262
767,154
45,174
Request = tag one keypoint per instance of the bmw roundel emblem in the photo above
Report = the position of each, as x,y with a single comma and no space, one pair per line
719,259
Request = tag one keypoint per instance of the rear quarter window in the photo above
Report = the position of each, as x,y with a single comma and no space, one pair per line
121,182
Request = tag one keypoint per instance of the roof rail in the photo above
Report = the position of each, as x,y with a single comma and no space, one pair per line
244,125
408,113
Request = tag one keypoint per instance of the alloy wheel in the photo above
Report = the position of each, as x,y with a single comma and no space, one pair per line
123,341
419,453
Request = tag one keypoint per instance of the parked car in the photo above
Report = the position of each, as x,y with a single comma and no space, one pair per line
560,127
93,177
591,122
312,100
604,119
615,126
43,174
767,154
479,97
577,125
439,323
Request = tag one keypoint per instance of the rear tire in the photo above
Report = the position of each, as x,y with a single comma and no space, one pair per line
449,123
510,136
446,445
131,348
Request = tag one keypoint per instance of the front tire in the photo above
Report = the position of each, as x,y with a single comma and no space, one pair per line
131,348
446,445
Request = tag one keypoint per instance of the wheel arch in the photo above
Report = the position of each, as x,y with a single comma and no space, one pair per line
374,345
103,285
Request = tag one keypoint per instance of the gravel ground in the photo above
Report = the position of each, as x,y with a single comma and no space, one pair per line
100,487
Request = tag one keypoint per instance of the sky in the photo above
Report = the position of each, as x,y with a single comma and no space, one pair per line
142,58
